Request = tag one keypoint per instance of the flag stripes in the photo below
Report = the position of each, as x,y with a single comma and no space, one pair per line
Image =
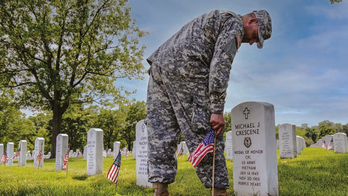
205,147
115,169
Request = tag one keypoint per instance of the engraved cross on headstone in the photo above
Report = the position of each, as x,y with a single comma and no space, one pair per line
246,112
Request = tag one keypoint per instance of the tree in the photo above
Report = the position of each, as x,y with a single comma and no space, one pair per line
63,52
13,124
335,1
76,122
325,130
135,112
112,122
227,118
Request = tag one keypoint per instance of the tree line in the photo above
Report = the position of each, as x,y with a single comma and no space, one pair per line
117,124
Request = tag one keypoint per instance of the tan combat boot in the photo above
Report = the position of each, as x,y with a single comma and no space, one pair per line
220,192
161,189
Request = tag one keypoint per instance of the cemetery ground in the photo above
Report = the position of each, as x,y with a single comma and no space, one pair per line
315,171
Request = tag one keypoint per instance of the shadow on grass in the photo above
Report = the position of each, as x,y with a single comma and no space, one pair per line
80,177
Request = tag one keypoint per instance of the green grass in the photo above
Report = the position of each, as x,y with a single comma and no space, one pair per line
315,172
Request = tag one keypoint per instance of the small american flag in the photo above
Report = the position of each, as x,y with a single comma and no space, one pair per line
324,145
205,147
115,169
66,160
39,157
17,153
4,157
330,145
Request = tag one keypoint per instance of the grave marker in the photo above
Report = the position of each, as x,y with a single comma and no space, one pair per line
9,150
141,159
22,160
117,146
287,141
254,149
340,143
39,147
228,146
1,151
61,149
94,151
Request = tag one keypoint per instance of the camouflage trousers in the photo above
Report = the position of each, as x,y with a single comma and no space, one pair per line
177,104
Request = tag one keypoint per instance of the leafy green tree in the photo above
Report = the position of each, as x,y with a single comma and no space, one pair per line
345,128
227,118
63,52
311,134
135,112
335,1
43,127
112,122
76,122
13,124
326,130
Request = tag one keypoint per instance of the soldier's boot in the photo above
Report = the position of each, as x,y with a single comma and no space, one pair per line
220,192
161,189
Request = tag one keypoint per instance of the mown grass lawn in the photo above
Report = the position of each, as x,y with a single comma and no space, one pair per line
315,172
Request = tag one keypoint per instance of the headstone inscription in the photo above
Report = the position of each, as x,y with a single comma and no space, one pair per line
117,146
141,160
39,148
340,142
22,160
94,151
287,141
228,145
254,149
9,149
61,149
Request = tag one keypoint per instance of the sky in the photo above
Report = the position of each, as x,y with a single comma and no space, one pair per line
302,69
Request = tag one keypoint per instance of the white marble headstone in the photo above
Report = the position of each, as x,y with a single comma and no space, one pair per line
287,141
61,149
9,150
95,151
117,146
254,149
22,160
39,147
228,146
298,144
184,147
340,142
1,151
85,153
141,159
134,150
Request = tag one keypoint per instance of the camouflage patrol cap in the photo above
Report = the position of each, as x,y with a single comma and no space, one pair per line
265,26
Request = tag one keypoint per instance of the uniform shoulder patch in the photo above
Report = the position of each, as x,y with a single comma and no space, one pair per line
238,41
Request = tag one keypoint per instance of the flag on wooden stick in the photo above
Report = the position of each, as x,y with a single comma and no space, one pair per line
66,160
205,147
17,153
4,158
115,169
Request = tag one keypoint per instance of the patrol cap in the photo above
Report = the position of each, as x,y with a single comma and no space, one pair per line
265,26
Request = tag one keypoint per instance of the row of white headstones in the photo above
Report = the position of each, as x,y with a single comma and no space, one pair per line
251,144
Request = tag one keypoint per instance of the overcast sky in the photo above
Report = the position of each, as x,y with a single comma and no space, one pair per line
302,69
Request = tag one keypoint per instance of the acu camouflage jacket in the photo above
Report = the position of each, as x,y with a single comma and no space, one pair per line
204,49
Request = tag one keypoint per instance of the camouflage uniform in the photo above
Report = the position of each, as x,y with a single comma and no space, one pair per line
188,81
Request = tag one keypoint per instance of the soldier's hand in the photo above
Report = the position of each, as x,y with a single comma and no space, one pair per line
217,122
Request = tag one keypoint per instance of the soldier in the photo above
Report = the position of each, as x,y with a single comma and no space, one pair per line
186,93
